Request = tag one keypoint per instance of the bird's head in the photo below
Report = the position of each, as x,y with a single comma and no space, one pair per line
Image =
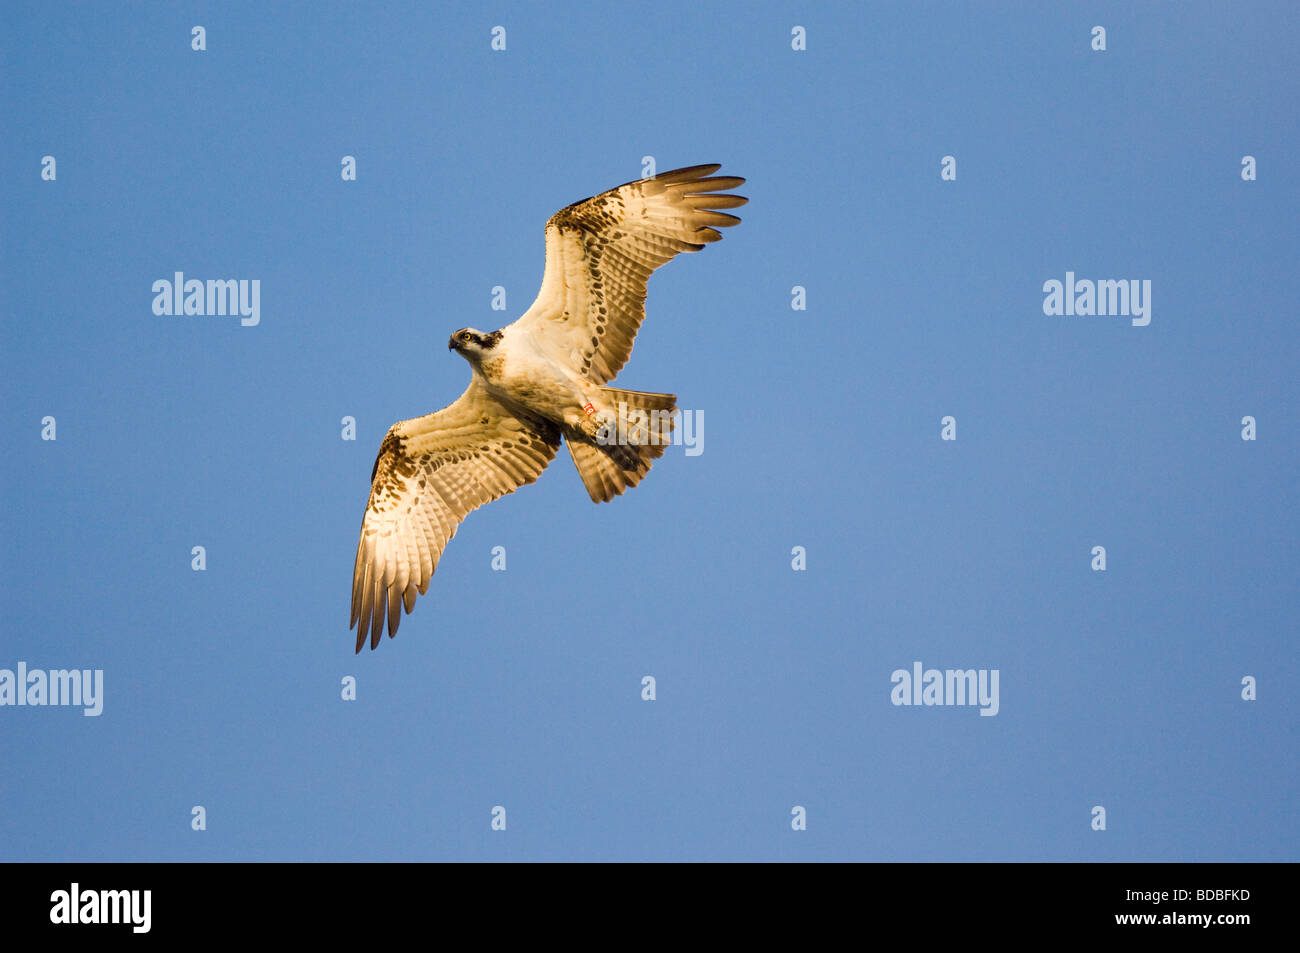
472,344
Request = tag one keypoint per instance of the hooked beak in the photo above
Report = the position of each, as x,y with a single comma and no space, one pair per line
451,344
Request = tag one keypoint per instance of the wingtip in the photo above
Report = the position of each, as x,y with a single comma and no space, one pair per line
690,173
703,169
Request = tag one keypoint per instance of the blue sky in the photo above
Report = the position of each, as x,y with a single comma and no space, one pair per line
522,688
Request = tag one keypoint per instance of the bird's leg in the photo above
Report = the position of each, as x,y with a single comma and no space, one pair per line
592,421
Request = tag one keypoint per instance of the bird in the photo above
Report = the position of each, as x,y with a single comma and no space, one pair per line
536,382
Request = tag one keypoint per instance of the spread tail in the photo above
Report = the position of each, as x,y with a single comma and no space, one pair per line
636,428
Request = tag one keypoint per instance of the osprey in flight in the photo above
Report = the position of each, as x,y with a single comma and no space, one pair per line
533,382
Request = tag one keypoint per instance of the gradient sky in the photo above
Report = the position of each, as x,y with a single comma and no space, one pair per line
822,429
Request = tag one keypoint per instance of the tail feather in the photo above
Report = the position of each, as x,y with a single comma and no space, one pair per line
637,433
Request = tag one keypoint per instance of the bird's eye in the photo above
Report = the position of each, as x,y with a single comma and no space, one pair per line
465,336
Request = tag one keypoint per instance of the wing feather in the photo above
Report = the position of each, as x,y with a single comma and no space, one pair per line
600,253
432,472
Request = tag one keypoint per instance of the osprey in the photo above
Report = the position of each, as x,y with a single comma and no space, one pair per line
534,382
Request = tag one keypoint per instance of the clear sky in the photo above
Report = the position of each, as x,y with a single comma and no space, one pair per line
822,429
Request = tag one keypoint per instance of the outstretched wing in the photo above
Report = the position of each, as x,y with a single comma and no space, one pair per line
430,473
600,253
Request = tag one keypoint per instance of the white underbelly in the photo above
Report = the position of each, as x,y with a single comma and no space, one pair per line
538,386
